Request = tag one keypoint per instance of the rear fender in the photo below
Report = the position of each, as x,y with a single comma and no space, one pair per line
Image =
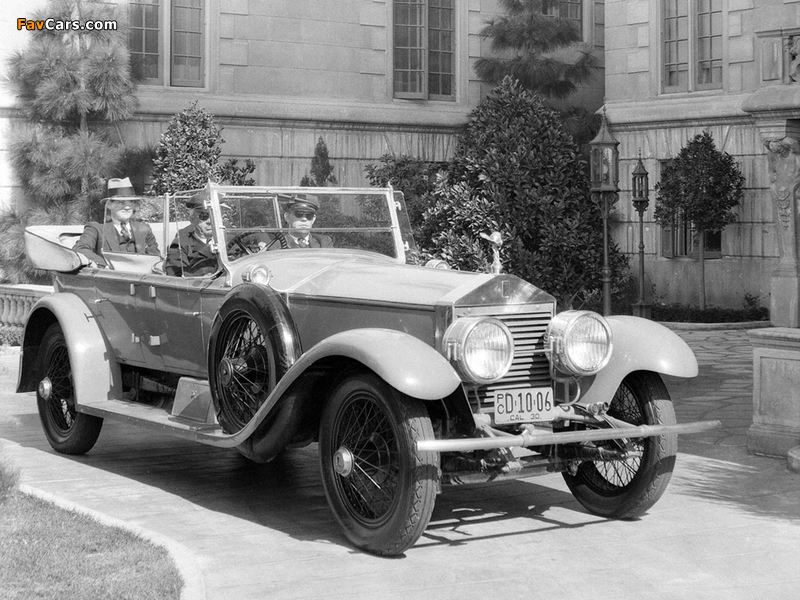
95,372
639,345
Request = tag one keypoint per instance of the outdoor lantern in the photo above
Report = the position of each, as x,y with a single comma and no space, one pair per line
604,175
640,186
604,160
639,193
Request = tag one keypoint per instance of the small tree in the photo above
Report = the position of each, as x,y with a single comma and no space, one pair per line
525,39
321,168
187,156
702,186
517,171
71,85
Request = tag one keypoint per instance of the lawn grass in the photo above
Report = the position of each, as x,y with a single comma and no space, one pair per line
49,552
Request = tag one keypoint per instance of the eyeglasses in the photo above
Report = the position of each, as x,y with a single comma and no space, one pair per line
203,215
304,214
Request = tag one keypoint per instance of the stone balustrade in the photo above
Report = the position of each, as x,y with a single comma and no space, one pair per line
16,302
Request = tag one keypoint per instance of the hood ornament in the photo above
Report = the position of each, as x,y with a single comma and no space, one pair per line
496,239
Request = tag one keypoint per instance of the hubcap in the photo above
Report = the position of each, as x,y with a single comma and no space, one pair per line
343,462
45,388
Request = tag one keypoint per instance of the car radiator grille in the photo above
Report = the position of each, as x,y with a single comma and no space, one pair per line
530,367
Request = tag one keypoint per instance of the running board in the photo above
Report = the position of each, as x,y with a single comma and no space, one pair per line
527,439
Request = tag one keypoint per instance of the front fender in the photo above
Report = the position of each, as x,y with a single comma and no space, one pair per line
95,372
639,345
404,362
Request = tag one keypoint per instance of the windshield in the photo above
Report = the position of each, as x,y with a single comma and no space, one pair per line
260,221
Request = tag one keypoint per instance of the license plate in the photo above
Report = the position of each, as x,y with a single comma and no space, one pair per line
524,405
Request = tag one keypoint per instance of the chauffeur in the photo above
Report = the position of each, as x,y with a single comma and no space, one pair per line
190,253
119,233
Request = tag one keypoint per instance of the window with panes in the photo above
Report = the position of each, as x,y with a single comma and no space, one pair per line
692,45
167,41
424,49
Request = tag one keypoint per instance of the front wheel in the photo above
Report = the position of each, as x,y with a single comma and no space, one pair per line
626,488
67,430
381,490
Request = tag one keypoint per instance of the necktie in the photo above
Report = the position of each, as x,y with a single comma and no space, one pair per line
126,234
302,242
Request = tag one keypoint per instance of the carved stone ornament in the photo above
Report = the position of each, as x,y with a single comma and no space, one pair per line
784,170
794,54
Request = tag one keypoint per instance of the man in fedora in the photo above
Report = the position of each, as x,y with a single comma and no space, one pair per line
119,233
191,254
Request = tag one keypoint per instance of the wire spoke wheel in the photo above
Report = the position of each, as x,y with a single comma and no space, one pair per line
380,488
626,488
246,370
67,430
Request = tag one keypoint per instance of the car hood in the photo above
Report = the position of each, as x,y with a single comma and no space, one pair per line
371,277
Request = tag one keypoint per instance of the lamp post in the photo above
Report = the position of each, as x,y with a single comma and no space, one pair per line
604,175
640,191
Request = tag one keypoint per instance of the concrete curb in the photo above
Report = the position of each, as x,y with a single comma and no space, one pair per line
185,562
715,326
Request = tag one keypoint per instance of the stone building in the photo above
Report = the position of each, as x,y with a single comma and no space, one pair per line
368,76
677,67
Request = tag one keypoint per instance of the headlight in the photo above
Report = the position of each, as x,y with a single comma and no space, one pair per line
481,348
257,274
579,342
436,263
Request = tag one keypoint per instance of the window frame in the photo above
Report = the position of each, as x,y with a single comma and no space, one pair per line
167,44
693,42
425,50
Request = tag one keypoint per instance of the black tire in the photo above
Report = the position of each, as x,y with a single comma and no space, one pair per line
67,431
382,492
626,489
248,355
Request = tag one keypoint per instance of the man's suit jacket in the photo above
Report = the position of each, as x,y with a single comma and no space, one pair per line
97,237
316,240
189,255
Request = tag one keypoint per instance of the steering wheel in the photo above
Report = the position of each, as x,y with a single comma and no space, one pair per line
237,242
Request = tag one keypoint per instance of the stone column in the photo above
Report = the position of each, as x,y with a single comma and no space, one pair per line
784,172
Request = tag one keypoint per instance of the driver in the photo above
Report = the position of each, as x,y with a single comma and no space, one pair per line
190,253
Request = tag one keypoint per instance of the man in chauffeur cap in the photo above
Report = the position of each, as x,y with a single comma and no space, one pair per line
119,233
300,217
190,253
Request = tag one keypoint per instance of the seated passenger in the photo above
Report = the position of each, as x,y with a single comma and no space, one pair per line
190,253
300,217
119,233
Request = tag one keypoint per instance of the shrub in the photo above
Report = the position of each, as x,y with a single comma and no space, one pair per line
413,176
187,156
232,174
517,171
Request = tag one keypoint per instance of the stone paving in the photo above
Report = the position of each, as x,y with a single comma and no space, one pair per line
728,527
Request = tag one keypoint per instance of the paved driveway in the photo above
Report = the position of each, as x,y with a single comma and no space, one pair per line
727,528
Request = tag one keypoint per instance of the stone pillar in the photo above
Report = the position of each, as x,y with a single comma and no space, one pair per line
776,391
784,172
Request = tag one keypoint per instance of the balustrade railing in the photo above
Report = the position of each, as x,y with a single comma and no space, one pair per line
16,302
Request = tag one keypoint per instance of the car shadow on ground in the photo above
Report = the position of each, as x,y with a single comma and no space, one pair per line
287,495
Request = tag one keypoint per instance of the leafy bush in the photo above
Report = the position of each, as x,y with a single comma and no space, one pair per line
10,335
413,176
187,156
232,174
518,172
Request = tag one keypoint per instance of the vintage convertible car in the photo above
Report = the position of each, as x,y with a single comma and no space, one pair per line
408,377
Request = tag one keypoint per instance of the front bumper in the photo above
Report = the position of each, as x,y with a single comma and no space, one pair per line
528,439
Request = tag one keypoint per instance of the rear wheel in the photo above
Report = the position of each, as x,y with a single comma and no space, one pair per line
67,430
625,489
381,490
